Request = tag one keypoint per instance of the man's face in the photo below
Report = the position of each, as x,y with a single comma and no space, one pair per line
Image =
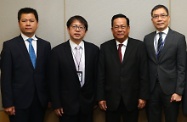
160,19
120,29
28,24
76,31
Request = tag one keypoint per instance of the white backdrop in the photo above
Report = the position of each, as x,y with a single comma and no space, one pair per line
99,16
53,15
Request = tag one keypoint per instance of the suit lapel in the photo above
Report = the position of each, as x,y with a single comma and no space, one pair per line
87,52
68,53
114,51
128,50
166,44
87,57
22,47
152,47
39,52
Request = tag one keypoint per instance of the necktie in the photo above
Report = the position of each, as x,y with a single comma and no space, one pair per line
79,65
78,57
119,52
160,44
31,52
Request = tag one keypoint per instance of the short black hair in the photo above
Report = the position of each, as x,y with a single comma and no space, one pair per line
27,10
158,7
120,16
80,19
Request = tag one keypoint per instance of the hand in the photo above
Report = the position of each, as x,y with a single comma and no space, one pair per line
141,103
10,110
176,98
59,111
102,105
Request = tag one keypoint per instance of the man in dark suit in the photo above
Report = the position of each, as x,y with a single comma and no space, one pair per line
122,79
167,61
72,78
23,79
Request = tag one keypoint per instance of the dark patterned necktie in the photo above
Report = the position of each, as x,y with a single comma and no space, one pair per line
160,45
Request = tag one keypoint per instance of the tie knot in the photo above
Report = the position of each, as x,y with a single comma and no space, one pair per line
160,34
78,47
29,40
120,45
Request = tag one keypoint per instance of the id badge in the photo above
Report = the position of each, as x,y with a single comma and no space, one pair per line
79,73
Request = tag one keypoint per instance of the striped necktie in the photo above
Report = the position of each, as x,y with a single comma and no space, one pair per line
160,44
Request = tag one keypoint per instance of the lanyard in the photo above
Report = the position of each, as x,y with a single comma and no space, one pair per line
76,60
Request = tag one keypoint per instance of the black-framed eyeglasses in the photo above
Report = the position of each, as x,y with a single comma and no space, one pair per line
75,27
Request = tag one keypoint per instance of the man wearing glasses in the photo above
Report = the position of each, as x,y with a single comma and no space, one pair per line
72,74
167,59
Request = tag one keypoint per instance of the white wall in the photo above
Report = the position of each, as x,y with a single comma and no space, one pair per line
179,16
51,19
99,16
53,15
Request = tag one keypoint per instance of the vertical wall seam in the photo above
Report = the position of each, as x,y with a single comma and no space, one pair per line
64,20
170,12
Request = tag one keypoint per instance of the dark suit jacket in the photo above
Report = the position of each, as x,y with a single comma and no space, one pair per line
127,80
170,68
19,80
66,91
184,98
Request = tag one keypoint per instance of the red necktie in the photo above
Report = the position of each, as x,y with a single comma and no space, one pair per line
119,52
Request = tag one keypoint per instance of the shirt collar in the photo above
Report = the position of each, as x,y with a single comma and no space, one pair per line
164,31
73,44
124,42
26,37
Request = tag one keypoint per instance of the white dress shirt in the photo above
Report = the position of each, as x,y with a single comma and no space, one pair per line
82,62
34,42
165,32
123,48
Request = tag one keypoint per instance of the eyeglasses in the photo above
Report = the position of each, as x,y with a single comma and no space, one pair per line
118,27
75,27
163,16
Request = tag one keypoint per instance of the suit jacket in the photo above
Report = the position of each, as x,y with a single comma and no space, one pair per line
184,98
127,80
19,80
66,91
170,68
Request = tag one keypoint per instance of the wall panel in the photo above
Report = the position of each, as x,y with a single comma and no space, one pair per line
99,14
179,16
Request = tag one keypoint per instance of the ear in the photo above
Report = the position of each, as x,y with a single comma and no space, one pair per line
169,18
111,29
68,29
37,25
